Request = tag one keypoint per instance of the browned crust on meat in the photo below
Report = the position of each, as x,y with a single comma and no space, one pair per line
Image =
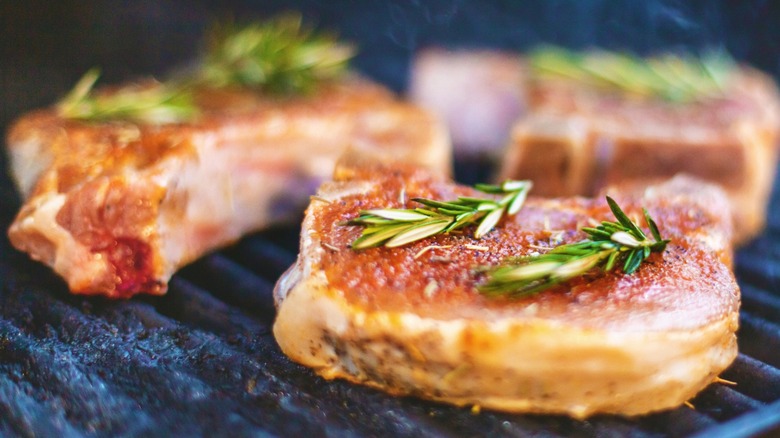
574,140
83,150
118,186
395,279
605,343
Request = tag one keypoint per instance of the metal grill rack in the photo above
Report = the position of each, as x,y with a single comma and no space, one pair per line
202,360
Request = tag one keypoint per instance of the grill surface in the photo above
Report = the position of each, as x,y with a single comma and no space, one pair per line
202,361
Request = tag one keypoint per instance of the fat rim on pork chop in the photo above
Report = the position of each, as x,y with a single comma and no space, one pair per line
410,321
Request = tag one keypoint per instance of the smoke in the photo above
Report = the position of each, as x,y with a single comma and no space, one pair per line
745,29
148,36
389,32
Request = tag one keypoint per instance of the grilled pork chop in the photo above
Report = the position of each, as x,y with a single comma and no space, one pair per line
575,139
477,93
116,208
410,320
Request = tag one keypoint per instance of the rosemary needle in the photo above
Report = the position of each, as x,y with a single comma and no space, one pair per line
609,245
396,227
675,78
152,103
280,56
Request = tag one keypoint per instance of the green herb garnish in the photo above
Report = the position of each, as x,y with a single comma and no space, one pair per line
279,56
397,227
152,103
610,244
675,78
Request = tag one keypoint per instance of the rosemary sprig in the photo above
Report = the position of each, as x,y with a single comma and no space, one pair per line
610,244
279,56
396,227
153,103
675,78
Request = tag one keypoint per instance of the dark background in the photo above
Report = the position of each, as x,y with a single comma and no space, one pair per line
45,46
201,360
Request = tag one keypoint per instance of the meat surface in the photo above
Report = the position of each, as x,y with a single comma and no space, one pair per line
477,93
574,139
410,320
115,208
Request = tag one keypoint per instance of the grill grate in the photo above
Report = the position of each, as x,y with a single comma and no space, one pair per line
202,360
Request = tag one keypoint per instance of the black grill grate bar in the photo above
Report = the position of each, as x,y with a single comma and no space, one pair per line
407,417
751,424
773,225
682,421
69,314
414,417
773,213
759,338
756,269
678,422
27,361
263,257
617,426
237,361
724,403
102,365
763,247
754,378
225,324
234,284
760,302
134,315
252,382
773,218
367,409
199,309
494,424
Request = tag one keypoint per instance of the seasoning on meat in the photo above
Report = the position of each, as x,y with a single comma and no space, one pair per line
411,320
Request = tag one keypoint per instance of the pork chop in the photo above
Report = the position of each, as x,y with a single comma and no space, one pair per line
575,139
571,138
477,93
115,208
411,321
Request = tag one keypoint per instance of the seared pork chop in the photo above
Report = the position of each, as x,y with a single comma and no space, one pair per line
478,94
117,207
574,139
411,321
